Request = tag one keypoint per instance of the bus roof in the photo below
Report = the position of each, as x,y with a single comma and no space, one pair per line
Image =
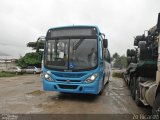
80,26
74,31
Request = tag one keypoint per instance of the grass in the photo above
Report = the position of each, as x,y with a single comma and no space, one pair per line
117,74
7,74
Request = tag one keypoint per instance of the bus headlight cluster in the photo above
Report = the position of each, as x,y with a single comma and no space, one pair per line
92,78
48,77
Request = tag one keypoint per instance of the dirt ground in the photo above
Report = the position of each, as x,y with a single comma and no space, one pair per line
25,95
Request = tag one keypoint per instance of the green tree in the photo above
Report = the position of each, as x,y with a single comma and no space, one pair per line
119,61
36,45
115,56
123,61
32,58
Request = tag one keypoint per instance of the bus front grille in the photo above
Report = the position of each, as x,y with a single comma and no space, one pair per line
69,75
73,81
68,86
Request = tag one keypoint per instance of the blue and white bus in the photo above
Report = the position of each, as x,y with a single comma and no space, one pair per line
76,60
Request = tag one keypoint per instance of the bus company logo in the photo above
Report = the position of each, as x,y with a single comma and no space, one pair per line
67,81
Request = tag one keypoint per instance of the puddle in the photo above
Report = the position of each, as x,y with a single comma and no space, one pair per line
45,105
28,83
17,107
36,110
36,93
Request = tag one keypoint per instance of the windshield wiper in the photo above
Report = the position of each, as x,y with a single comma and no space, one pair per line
78,44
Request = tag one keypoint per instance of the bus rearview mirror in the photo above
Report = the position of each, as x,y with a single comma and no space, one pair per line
105,43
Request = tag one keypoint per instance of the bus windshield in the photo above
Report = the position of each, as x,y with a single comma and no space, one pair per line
71,54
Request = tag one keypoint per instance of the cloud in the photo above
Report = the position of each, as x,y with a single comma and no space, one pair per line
23,21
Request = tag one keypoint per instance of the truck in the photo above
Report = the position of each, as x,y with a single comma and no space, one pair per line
143,72
76,60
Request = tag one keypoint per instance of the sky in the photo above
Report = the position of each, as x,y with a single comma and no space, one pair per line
23,21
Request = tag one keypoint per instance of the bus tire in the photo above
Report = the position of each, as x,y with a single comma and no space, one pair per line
156,106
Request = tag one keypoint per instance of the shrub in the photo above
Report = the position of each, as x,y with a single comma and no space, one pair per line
6,74
117,74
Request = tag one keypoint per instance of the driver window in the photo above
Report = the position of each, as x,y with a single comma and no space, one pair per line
107,55
101,50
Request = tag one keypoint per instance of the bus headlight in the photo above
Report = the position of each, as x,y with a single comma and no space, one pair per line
92,78
48,77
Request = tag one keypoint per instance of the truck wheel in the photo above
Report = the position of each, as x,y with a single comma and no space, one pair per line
142,45
156,106
130,83
143,51
128,60
128,52
137,95
34,72
132,52
132,60
133,88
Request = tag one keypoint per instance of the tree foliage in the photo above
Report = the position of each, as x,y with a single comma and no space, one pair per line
34,58
119,61
115,55
36,45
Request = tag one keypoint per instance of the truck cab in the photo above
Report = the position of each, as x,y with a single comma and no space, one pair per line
143,72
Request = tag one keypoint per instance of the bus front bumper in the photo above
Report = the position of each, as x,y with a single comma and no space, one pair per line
91,88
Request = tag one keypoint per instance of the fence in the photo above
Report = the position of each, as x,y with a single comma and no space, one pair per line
6,65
